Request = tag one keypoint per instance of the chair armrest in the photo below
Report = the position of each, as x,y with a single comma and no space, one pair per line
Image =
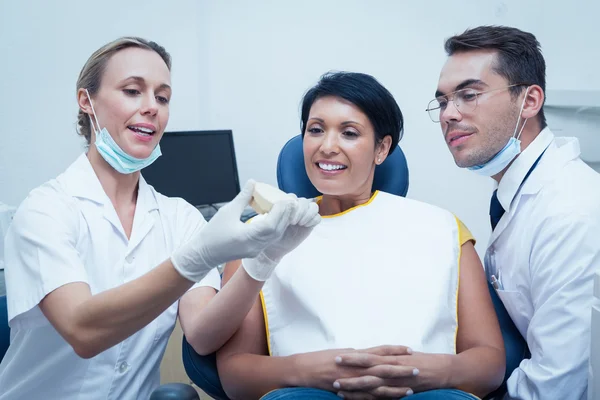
202,370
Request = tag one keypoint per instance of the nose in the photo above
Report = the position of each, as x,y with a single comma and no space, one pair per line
149,105
451,113
329,143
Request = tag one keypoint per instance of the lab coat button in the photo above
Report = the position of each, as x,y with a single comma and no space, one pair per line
123,367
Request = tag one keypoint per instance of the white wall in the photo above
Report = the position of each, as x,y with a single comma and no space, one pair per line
244,66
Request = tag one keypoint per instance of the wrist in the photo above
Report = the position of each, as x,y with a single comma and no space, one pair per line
447,377
299,375
248,280
191,269
260,267
435,371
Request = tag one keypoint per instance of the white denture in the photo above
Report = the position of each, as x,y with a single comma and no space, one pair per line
265,196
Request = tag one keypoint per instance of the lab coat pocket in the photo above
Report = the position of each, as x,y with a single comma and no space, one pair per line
515,304
165,322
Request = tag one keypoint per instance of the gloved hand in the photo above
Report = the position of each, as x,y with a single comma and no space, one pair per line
304,218
225,238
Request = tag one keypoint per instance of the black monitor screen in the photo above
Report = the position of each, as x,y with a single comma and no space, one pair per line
198,166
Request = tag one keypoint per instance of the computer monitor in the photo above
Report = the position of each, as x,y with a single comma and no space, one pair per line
198,166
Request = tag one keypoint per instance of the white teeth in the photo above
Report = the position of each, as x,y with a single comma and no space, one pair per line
141,129
331,167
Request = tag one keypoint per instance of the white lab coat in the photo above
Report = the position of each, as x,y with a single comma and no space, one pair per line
68,231
545,250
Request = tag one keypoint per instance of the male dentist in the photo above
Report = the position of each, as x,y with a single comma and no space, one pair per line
545,212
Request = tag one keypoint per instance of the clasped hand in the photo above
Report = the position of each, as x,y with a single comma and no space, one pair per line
386,373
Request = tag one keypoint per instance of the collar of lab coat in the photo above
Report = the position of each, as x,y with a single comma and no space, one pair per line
557,153
80,180
513,178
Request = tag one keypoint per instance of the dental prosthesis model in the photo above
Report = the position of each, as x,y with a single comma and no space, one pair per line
265,196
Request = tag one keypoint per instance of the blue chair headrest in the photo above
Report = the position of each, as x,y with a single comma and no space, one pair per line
391,176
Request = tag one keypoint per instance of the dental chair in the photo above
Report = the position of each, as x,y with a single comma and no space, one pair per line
391,177
4,328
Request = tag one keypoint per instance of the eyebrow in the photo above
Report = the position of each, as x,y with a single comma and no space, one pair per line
142,81
462,85
351,123
343,123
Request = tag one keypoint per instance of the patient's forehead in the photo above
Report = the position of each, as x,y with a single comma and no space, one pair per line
334,109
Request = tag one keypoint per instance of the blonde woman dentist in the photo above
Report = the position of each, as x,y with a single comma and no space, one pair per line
96,259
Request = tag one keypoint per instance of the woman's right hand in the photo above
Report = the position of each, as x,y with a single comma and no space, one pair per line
319,369
225,238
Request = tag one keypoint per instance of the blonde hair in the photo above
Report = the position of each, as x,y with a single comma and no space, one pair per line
90,77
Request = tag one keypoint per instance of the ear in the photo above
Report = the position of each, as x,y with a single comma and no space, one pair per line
534,101
383,149
84,101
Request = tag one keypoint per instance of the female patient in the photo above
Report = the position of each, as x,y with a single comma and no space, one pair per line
386,298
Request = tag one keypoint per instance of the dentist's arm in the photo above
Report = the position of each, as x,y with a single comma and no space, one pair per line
94,323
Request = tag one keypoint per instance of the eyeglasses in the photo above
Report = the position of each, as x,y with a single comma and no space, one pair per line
465,101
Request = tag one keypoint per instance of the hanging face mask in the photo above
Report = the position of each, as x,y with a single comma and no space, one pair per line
507,154
113,154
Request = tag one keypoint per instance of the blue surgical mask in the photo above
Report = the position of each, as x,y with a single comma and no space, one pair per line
114,155
506,155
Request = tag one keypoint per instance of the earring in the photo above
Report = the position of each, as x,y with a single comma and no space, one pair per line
379,160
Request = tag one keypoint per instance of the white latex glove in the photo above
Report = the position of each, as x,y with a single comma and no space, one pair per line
304,219
225,238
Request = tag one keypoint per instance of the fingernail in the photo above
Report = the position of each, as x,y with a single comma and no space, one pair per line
409,350
415,372
409,392
338,359
340,395
336,385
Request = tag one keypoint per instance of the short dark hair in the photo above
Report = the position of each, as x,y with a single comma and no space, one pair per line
519,60
366,93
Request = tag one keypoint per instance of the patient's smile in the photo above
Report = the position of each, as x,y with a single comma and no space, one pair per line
330,167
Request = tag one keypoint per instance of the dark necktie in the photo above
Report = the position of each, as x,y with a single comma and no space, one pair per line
496,209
